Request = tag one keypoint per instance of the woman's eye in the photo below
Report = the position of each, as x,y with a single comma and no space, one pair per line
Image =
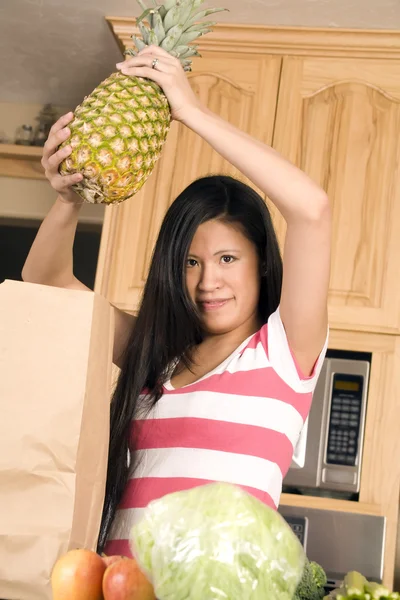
226,259
191,262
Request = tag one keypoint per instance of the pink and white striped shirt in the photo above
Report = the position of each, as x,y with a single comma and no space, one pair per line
240,423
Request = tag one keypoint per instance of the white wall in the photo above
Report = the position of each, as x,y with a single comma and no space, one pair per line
30,198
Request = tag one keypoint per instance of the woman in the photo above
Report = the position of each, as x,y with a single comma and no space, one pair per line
218,369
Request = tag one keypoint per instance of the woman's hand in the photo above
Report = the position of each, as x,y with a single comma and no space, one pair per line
52,158
169,75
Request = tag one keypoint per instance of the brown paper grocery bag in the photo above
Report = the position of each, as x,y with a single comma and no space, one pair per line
55,381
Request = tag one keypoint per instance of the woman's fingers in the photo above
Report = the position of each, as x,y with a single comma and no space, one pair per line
53,157
168,73
146,56
61,123
146,73
62,183
157,52
164,71
56,159
53,141
146,60
142,66
58,134
59,131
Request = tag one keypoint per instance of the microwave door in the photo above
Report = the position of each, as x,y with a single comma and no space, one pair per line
343,444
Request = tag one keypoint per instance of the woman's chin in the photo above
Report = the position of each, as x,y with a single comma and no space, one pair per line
217,326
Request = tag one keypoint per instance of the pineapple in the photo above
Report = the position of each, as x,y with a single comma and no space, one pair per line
118,131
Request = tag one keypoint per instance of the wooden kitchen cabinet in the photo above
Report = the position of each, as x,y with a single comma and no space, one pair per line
326,99
339,120
241,90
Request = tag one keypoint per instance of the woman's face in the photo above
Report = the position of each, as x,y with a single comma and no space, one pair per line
222,278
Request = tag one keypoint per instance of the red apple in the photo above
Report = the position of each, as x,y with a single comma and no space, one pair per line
123,580
78,575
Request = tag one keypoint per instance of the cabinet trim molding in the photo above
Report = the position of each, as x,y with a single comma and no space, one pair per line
299,41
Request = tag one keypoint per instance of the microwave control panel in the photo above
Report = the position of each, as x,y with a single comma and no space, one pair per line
345,419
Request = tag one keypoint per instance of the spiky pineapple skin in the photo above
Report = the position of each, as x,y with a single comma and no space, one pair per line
117,135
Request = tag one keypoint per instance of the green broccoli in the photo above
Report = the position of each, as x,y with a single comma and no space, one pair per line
312,583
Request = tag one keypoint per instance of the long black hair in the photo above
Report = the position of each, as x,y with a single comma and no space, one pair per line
168,326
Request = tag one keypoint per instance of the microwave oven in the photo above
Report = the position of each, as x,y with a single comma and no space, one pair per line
329,452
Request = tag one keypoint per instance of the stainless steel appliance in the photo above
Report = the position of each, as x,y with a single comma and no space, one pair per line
329,452
340,542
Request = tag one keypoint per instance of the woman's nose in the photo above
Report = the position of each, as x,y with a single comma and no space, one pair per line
209,279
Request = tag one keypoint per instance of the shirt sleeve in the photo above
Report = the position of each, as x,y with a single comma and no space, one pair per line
282,360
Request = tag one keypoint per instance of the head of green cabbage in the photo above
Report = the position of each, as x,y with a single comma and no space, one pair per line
217,542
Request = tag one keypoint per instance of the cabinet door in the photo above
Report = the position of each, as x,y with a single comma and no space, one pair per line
243,90
339,120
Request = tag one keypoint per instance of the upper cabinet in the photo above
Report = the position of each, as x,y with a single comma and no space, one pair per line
339,119
326,99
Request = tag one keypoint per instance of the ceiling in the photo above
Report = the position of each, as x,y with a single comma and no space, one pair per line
58,51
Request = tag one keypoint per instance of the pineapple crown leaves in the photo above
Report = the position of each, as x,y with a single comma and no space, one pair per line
173,26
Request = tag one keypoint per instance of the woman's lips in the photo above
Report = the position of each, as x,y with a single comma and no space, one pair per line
210,305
